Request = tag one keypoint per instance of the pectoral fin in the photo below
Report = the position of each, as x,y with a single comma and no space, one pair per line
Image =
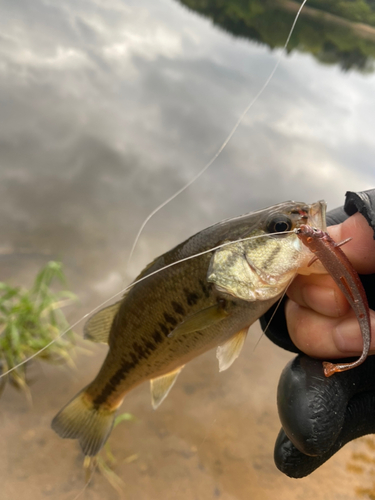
97,328
230,351
161,386
201,319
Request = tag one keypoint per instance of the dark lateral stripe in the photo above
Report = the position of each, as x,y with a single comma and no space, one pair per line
157,336
170,319
205,288
191,297
150,346
164,329
178,307
139,350
113,382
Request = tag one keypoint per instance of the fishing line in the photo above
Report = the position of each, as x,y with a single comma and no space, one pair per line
135,283
265,85
275,311
84,488
170,199
88,481
256,345
226,141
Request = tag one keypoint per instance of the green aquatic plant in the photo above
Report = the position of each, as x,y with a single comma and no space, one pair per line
105,460
29,320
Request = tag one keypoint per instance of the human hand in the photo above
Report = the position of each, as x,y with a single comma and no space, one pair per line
320,321
318,414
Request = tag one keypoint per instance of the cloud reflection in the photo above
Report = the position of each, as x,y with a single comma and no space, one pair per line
109,107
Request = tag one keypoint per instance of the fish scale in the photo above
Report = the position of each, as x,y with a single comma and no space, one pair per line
182,311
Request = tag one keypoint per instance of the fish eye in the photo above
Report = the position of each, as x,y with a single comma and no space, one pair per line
279,223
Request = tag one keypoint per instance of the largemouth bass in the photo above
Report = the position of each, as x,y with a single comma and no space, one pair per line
174,315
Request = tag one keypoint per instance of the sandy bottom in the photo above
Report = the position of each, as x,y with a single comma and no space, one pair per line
213,437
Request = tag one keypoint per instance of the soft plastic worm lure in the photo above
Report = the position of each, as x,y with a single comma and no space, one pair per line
338,266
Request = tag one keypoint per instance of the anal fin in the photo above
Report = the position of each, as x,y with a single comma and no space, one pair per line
228,352
97,328
161,386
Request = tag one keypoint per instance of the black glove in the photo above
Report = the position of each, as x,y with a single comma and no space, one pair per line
320,415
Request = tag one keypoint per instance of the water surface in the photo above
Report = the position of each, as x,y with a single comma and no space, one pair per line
107,109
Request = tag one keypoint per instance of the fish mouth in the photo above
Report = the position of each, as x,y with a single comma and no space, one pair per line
316,220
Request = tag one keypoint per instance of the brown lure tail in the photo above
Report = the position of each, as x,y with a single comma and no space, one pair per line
346,277
81,420
331,368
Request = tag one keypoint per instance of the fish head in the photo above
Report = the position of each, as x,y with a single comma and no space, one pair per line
263,252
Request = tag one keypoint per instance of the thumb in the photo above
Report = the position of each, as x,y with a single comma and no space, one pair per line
360,250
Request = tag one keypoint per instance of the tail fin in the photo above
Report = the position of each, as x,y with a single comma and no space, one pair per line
81,420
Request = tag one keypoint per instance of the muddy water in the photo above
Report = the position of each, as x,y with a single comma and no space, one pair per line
107,109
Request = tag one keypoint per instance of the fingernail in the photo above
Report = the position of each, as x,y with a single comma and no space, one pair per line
347,336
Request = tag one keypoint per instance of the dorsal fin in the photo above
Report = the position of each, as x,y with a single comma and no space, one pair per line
230,351
161,386
97,328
